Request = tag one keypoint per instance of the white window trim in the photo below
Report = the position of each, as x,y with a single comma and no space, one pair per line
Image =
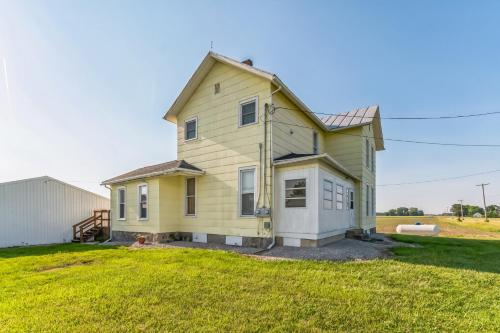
332,201
139,202
337,193
195,118
373,159
118,189
367,155
284,191
367,201
315,144
351,192
255,189
195,197
374,210
246,101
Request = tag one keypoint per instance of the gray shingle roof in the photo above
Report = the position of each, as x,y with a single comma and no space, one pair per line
153,170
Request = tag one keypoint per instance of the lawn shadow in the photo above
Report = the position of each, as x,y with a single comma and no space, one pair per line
474,254
40,250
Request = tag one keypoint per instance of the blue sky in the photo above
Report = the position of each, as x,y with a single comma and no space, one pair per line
88,82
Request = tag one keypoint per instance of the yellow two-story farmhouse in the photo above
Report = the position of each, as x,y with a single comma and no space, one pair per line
255,167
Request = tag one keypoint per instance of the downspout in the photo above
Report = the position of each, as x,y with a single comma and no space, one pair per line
110,229
273,243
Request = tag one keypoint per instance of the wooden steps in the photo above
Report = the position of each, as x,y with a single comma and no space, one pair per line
89,228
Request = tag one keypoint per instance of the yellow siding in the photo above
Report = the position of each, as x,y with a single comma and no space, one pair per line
348,147
221,149
171,204
132,222
296,138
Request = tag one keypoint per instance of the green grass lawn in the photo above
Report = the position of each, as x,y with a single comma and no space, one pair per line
443,285
450,226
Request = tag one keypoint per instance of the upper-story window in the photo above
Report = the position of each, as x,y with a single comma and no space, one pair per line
367,150
373,159
248,112
315,143
191,129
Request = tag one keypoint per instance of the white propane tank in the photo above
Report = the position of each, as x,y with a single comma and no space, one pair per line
417,229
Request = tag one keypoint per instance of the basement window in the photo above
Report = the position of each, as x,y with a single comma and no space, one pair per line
248,112
295,193
191,129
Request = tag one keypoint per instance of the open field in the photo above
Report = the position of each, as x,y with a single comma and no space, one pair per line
450,226
445,284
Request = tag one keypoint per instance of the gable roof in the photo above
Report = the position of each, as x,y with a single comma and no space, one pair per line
359,117
209,61
155,170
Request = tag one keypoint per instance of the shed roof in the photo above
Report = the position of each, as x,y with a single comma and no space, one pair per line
293,158
179,166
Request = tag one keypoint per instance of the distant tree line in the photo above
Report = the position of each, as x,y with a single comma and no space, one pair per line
405,211
470,210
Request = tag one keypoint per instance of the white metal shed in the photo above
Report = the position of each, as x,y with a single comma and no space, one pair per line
43,210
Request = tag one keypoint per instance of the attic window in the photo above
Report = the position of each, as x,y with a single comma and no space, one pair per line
217,88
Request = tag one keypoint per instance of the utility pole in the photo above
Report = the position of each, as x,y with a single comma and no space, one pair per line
461,209
484,202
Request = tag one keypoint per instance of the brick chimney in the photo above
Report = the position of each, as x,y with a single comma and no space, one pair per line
248,62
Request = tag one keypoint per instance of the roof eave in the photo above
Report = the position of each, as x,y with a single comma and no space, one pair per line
325,156
200,73
288,93
177,171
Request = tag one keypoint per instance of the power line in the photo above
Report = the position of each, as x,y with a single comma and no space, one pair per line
400,140
345,114
441,179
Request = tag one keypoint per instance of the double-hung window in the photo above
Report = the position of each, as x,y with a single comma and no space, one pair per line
191,129
373,159
248,112
340,196
327,194
143,201
367,200
295,193
247,191
373,201
367,153
121,203
190,196
351,199
315,143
